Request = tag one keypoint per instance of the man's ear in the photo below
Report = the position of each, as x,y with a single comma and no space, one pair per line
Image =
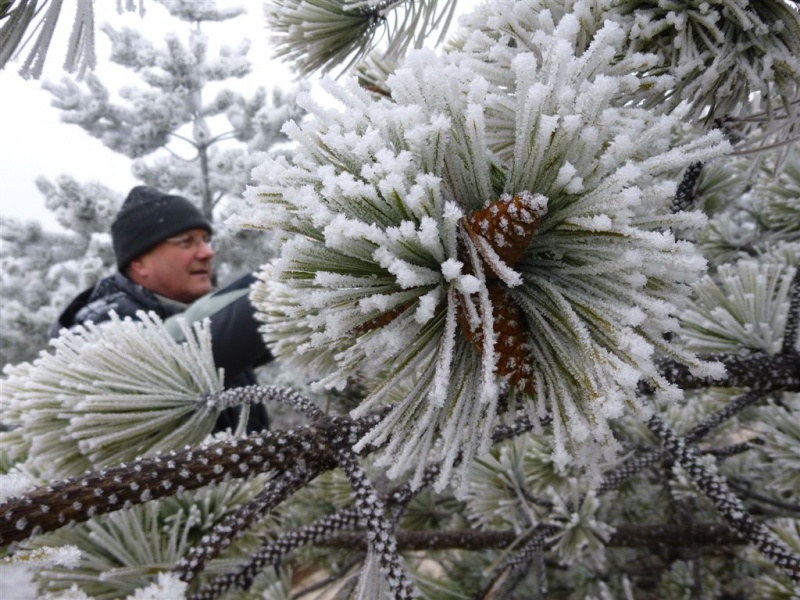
137,269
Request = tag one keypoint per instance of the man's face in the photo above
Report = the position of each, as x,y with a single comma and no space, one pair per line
178,268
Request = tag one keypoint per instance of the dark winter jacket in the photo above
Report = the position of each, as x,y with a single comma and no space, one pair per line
236,344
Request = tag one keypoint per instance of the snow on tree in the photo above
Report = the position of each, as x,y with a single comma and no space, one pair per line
20,18
43,270
560,259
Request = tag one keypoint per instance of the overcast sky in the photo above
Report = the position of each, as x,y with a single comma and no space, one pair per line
36,143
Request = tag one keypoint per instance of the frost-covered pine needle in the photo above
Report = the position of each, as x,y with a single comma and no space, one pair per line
373,204
744,305
45,556
110,393
167,586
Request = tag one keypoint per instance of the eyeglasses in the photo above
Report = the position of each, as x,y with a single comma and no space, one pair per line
188,241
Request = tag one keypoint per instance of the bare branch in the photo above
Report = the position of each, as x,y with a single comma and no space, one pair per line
755,370
727,504
792,330
626,535
80,498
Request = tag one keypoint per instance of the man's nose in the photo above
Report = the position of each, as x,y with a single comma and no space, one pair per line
204,250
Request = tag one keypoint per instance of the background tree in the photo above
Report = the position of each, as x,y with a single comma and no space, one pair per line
178,140
43,271
559,260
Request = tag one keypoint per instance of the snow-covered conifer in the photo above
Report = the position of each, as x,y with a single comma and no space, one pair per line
185,91
174,109
557,283
41,271
390,268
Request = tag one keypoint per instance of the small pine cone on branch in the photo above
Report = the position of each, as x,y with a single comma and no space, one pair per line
507,225
502,232
511,346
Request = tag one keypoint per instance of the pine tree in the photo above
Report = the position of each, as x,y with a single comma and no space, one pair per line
552,271
43,270
171,111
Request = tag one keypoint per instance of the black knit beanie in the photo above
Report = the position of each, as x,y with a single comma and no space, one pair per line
147,218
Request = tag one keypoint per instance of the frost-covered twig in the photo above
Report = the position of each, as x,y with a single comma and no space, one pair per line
370,510
513,570
518,427
744,489
80,498
652,456
687,189
260,394
328,526
728,451
717,418
726,503
754,370
274,551
212,544
276,491
381,536
315,533
628,469
791,333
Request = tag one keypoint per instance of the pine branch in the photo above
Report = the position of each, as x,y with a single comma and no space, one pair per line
276,550
744,489
792,331
516,566
726,503
255,394
686,193
682,535
717,418
381,529
347,588
728,451
521,425
313,534
755,370
325,34
212,544
626,535
653,456
80,498
628,469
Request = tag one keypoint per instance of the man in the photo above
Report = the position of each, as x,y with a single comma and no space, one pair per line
162,245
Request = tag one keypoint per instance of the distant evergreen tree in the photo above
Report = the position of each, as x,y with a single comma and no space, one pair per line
42,270
549,278
172,114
